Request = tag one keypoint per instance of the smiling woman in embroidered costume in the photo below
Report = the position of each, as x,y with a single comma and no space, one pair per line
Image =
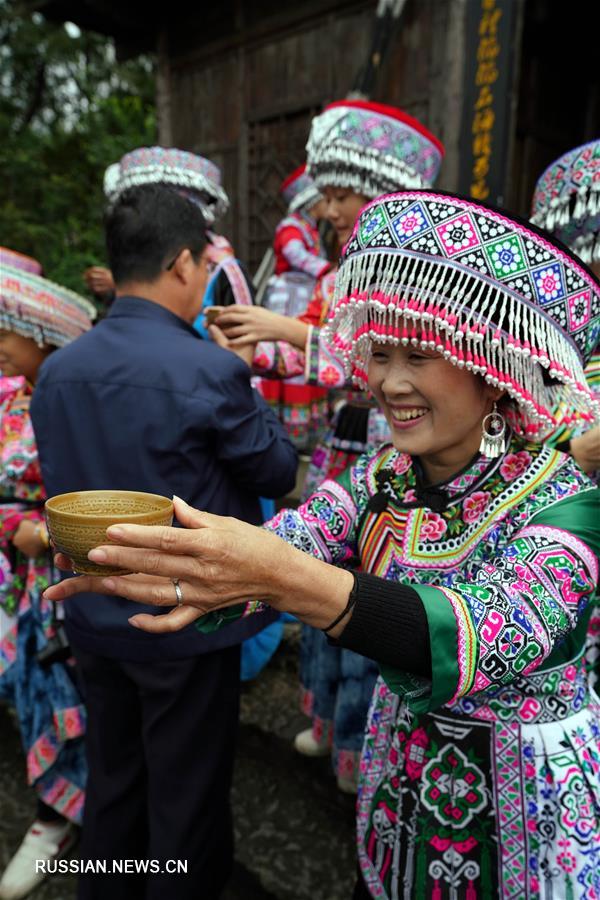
36,316
478,567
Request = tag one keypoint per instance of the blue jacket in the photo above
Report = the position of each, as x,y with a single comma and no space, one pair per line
142,403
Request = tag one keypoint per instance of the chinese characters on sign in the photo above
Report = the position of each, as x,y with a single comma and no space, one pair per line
487,89
488,51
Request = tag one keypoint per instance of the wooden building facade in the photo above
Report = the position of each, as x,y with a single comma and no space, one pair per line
246,99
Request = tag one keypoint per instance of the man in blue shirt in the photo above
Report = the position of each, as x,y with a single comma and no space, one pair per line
143,403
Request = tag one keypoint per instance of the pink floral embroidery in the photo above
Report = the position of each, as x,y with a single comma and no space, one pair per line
514,465
410,496
330,376
442,844
261,361
565,858
401,464
414,751
474,506
433,527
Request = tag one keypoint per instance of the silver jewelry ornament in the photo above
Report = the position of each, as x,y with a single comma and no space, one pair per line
493,434
178,591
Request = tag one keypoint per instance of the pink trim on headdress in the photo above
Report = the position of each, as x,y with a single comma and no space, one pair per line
293,177
19,261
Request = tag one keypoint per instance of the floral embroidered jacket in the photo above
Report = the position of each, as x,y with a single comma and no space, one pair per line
297,246
48,707
483,781
496,607
505,572
21,490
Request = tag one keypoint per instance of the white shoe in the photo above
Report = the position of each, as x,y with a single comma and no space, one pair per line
44,841
346,785
305,743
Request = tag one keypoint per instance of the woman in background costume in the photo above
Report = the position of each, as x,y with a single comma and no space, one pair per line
299,256
299,262
566,201
36,677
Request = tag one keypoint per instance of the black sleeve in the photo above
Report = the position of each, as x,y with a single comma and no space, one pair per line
389,625
223,292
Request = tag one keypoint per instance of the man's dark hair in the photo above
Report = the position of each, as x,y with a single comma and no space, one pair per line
147,227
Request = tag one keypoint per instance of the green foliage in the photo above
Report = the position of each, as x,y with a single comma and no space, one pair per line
67,111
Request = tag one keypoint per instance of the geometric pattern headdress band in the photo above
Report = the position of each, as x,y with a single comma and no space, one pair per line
37,308
491,294
299,191
191,174
566,200
371,148
19,261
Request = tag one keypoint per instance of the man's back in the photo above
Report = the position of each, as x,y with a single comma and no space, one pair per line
142,403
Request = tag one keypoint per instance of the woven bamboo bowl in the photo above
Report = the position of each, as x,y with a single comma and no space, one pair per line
77,521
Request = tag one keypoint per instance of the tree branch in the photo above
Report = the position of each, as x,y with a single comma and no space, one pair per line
37,96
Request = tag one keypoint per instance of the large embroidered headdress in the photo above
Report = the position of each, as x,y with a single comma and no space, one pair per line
371,149
197,177
37,308
299,190
491,294
566,200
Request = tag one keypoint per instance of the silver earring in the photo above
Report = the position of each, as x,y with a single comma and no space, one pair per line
493,434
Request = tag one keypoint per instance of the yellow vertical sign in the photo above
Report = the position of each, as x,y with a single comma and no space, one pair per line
483,115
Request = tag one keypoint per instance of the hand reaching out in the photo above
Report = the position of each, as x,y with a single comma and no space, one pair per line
219,562
251,324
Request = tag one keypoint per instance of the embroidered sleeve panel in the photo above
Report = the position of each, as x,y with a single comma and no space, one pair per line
278,359
237,280
324,527
320,364
300,257
577,514
324,366
20,475
506,621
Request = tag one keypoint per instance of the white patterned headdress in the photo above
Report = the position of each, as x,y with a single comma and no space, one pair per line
197,177
37,308
299,191
566,200
488,292
371,149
